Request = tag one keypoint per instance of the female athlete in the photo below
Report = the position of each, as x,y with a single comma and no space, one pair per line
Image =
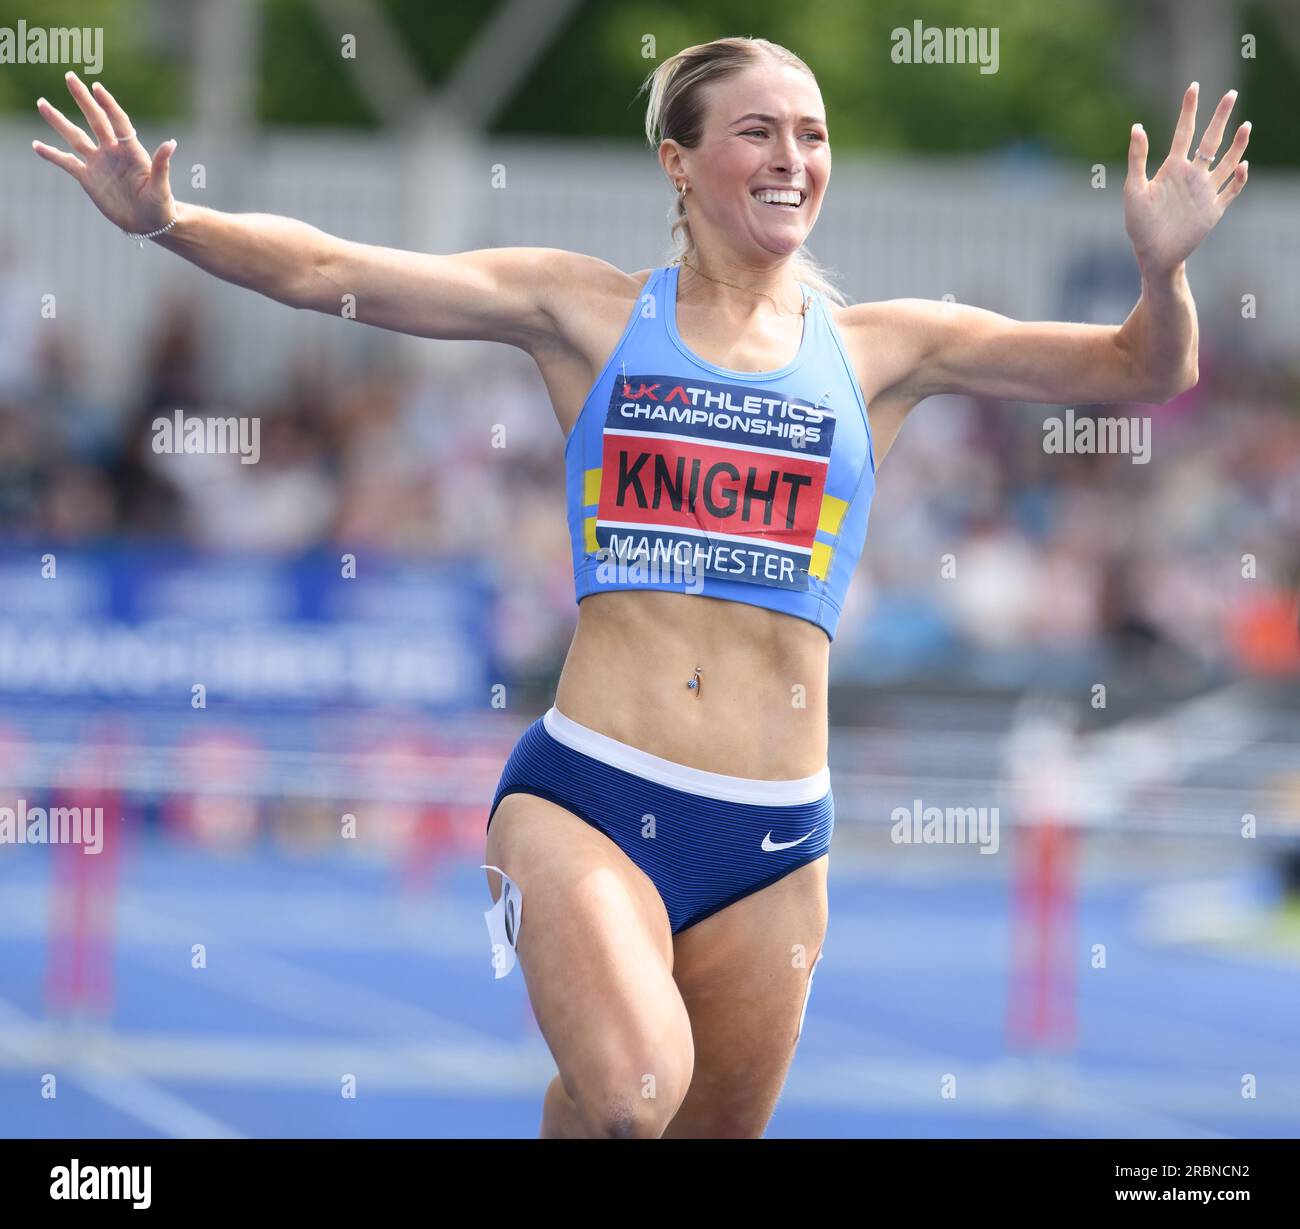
663,829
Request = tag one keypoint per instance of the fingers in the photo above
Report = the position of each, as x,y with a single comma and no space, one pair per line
1236,181
117,118
1213,137
69,131
162,158
68,162
93,112
1223,172
1137,157
1182,142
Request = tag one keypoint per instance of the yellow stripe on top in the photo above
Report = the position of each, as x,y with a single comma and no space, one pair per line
829,522
832,514
820,564
590,495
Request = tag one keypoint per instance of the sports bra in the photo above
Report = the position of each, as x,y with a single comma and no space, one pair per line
746,486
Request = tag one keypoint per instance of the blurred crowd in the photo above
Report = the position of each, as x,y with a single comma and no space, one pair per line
986,557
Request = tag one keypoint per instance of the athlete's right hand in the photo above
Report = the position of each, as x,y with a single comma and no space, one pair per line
128,187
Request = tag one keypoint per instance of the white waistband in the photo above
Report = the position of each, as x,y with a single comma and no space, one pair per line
678,776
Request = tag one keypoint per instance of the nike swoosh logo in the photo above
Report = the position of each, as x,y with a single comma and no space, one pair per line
770,845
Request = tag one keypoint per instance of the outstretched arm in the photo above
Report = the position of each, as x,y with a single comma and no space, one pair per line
927,347
499,294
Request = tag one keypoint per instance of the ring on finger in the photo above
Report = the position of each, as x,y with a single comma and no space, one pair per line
1207,158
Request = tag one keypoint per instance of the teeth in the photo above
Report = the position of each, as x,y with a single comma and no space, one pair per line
770,196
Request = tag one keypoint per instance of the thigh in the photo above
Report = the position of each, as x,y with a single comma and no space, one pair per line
596,952
744,974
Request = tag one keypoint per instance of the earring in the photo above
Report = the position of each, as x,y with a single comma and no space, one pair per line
683,189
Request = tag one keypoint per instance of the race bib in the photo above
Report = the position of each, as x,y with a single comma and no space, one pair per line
701,478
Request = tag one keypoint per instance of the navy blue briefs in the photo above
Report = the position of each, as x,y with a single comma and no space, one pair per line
706,840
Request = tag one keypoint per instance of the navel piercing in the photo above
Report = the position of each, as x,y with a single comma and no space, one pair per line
694,684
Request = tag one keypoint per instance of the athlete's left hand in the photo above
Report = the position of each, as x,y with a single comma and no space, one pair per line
1168,216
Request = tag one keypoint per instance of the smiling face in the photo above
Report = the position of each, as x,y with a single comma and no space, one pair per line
760,170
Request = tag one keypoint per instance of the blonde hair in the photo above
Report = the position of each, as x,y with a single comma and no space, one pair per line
675,112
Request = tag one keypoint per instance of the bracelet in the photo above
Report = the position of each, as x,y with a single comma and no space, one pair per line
153,234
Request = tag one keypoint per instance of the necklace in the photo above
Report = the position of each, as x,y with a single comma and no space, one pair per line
780,310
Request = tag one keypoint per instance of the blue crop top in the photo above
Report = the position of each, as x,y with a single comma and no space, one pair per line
746,486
